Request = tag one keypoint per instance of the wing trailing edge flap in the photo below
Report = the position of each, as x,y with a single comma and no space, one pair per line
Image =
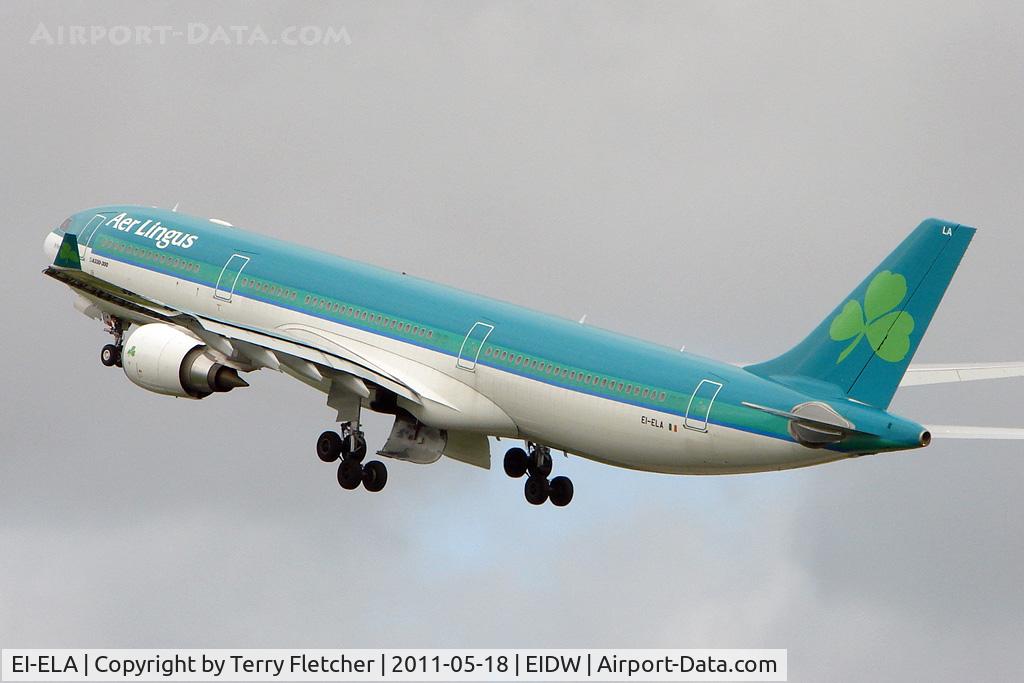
386,364
922,374
293,356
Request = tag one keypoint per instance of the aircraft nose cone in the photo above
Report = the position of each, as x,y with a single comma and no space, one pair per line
51,245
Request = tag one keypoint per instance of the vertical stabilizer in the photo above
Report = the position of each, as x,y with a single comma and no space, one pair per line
866,344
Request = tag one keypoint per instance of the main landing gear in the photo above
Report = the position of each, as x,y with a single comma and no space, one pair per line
350,448
110,354
537,463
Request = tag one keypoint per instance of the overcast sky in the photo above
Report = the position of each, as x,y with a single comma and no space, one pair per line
711,174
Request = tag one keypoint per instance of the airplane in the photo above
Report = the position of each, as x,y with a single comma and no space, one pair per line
195,303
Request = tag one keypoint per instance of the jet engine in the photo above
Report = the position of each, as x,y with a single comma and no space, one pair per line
167,360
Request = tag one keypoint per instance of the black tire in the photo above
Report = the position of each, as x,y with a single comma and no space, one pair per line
561,491
375,476
539,463
350,474
358,453
110,355
328,446
536,490
516,462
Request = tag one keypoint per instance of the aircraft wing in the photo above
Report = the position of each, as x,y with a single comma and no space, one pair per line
305,358
286,351
960,372
329,361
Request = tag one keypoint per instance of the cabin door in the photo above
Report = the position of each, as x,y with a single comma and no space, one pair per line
698,411
87,233
229,275
472,345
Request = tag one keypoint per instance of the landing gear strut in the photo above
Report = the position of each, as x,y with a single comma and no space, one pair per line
537,462
350,448
110,354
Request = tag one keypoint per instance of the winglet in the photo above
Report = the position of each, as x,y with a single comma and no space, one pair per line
67,255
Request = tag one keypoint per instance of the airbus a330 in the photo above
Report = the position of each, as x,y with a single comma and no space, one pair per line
195,305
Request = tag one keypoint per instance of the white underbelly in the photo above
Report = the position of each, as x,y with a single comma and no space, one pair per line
596,428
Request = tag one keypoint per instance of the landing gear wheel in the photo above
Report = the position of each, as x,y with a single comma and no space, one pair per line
375,475
539,462
354,452
110,355
516,462
350,474
561,491
328,446
536,490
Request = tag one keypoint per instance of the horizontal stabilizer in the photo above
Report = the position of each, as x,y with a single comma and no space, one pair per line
814,424
960,432
918,375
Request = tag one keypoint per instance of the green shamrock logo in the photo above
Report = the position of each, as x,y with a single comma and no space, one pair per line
131,351
888,331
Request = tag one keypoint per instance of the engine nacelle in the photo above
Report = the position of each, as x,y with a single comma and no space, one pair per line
167,360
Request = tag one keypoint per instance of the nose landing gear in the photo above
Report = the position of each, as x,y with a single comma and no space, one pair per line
538,464
110,354
350,448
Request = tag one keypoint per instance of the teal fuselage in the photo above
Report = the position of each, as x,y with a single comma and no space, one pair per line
655,383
